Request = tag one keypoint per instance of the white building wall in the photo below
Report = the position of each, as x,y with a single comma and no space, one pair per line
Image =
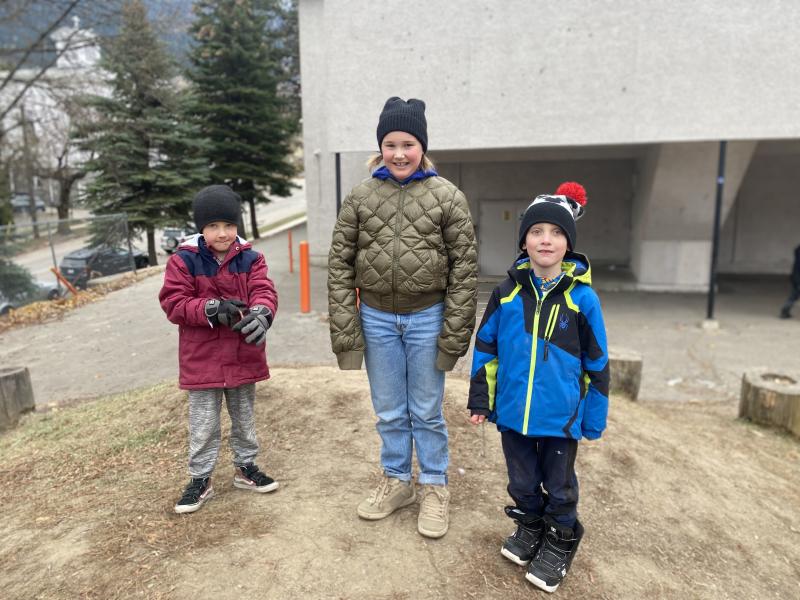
49,105
522,73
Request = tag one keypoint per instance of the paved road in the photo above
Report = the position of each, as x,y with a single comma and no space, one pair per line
124,341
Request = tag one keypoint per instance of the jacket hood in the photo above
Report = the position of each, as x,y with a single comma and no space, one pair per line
575,267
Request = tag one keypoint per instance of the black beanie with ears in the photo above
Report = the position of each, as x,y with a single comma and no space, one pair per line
399,115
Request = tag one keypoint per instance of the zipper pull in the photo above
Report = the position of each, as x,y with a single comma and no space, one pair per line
546,344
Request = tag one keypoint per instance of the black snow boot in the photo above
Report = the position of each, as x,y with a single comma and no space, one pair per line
521,545
554,556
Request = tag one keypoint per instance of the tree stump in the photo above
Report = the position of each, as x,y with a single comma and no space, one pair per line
625,368
771,398
16,395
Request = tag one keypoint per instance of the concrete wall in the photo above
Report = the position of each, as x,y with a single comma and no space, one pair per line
673,212
501,191
763,227
522,73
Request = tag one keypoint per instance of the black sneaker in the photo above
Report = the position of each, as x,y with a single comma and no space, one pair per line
248,477
521,545
195,495
552,560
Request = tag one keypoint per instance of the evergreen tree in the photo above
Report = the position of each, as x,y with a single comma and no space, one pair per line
239,71
15,280
148,158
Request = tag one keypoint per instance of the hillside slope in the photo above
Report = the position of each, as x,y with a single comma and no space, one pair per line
679,501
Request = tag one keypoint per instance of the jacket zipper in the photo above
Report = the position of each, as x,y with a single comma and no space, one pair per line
534,344
397,227
551,326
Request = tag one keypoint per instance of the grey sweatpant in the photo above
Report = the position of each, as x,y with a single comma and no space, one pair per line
204,427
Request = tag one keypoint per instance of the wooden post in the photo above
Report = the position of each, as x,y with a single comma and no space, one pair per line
16,395
63,280
771,398
305,279
291,257
625,368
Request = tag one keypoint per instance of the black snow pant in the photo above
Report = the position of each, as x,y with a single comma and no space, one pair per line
794,295
542,462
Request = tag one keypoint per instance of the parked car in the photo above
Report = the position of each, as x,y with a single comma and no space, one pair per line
79,266
43,291
20,203
175,236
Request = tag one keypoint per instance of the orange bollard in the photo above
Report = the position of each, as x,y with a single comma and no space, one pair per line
305,279
291,258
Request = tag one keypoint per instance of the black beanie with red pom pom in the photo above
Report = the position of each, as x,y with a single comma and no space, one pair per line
562,209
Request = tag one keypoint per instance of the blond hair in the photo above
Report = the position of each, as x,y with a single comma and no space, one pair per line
426,164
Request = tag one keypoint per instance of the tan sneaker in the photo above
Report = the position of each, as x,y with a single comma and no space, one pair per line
390,495
434,518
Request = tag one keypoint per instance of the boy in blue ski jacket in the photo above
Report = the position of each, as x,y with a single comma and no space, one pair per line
540,372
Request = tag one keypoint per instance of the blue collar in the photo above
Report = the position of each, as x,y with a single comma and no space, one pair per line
383,173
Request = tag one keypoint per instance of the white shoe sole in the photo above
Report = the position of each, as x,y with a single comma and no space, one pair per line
190,508
432,534
261,490
540,584
372,516
512,557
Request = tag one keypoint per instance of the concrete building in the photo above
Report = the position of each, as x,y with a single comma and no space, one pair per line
630,98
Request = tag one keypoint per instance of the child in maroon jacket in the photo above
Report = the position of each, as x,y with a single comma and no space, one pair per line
216,289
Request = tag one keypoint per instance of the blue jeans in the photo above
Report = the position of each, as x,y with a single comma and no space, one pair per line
407,390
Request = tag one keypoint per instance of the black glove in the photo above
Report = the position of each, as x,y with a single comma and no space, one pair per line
225,312
255,324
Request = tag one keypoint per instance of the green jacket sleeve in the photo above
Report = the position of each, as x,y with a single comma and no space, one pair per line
347,340
462,283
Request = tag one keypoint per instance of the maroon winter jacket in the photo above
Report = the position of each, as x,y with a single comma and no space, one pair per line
215,357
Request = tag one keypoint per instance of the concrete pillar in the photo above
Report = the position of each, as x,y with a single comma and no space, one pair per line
673,212
318,162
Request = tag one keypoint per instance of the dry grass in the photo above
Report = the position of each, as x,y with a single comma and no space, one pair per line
112,466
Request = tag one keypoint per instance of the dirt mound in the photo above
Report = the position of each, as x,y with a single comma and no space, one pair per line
678,501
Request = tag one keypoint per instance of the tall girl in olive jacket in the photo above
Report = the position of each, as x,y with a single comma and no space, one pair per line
405,241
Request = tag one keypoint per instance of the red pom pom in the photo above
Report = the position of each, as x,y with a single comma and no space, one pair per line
573,190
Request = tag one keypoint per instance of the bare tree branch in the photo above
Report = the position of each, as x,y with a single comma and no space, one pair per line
30,82
42,37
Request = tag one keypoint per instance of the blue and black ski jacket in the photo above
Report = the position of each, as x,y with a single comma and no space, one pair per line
540,364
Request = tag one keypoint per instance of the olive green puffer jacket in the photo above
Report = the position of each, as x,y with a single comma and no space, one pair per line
405,247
